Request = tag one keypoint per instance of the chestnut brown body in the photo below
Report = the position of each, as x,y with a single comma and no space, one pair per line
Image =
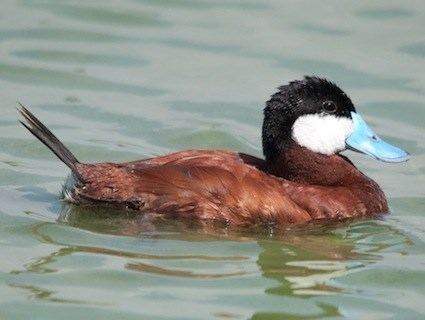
236,188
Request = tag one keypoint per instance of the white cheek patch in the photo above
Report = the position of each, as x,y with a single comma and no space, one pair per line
322,133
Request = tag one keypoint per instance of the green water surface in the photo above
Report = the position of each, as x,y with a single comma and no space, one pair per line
123,80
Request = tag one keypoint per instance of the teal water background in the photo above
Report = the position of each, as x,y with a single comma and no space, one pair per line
123,80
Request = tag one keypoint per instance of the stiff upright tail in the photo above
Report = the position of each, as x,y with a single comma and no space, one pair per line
43,134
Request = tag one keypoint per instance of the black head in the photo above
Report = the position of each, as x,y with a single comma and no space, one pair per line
311,96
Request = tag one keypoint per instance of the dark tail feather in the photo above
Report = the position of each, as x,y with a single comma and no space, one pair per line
43,134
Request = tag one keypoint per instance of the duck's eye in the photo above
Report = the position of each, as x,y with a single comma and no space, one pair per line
329,106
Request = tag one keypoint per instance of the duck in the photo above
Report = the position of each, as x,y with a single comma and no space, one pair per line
302,178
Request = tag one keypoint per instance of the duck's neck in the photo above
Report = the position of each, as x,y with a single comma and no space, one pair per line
351,193
301,165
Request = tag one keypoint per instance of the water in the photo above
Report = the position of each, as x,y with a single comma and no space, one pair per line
124,80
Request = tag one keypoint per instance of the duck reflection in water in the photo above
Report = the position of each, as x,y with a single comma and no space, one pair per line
301,263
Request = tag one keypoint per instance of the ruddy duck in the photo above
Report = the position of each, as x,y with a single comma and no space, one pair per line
302,178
